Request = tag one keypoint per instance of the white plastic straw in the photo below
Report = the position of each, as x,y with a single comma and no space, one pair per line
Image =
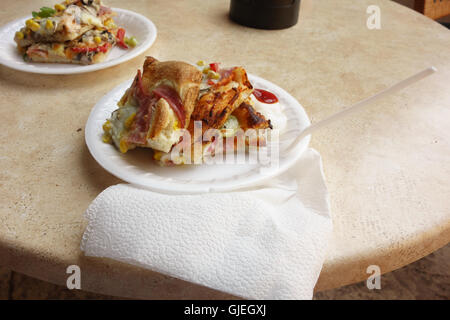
363,103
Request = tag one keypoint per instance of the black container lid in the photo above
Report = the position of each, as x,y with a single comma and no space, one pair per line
265,14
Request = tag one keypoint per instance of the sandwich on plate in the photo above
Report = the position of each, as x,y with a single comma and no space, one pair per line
173,104
74,31
155,109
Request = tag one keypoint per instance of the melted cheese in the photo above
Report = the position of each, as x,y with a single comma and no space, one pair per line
121,121
169,136
118,122
89,19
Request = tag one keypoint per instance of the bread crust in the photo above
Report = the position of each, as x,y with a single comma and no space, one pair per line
96,58
163,123
183,77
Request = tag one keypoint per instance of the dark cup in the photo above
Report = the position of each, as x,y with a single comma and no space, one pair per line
265,14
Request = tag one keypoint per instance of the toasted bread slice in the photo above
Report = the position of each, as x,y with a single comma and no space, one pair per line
181,76
215,106
163,98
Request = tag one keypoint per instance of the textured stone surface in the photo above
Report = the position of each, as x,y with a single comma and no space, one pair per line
387,168
428,278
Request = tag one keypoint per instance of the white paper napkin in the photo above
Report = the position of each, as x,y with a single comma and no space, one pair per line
265,243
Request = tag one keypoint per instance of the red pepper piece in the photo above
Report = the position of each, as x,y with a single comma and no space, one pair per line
120,38
214,66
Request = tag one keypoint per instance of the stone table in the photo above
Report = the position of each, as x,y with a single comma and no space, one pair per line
387,167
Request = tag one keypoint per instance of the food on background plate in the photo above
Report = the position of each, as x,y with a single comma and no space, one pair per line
74,31
72,51
171,96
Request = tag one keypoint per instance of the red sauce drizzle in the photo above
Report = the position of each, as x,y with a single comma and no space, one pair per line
265,96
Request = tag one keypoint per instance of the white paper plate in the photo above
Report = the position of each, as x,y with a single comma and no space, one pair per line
135,25
137,166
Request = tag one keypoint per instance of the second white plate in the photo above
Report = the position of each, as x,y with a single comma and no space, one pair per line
135,25
137,166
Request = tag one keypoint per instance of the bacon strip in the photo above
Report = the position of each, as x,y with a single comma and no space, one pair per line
141,124
174,100
140,91
146,101
104,10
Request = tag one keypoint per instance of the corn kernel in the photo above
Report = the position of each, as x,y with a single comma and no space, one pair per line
109,23
201,63
206,70
213,75
60,7
49,25
33,25
19,35
97,40
130,120
123,146
68,1
157,155
107,126
106,138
